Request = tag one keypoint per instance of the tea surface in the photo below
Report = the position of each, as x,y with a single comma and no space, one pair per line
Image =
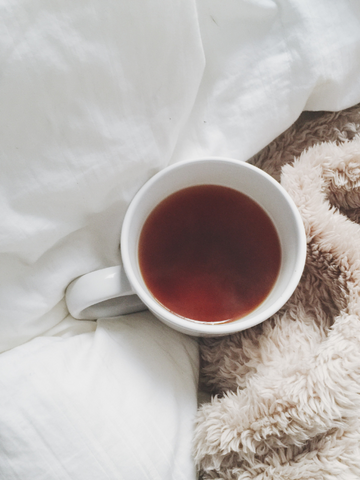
209,253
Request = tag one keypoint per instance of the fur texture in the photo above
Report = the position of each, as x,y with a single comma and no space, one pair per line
286,394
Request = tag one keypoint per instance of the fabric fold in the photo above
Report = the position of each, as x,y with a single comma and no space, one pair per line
290,390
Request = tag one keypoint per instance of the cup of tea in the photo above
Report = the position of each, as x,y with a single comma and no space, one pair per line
210,246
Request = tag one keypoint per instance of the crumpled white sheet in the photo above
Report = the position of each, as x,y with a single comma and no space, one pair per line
95,98
69,411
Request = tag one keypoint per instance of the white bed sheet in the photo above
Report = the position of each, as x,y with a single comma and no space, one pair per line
95,98
109,404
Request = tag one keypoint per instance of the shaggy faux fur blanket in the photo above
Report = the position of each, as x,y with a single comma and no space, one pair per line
286,394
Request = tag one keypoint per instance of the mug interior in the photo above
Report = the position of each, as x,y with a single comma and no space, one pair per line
240,176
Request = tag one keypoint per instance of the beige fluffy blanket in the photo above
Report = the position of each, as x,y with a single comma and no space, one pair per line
286,394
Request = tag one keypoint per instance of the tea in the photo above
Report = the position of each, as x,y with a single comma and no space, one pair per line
209,253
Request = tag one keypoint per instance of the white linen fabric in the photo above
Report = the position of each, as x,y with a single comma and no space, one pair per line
95,97
110,404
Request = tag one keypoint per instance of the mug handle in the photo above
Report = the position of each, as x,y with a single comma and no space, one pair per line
100,294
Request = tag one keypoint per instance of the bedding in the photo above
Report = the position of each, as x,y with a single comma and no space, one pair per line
95,98
286,393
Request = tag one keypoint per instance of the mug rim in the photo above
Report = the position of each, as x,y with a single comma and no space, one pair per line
195,327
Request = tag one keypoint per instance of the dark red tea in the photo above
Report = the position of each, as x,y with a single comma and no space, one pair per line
209,253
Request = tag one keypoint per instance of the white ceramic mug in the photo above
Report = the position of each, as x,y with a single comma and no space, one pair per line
120,290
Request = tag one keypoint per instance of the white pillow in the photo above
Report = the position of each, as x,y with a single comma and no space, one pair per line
116,403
